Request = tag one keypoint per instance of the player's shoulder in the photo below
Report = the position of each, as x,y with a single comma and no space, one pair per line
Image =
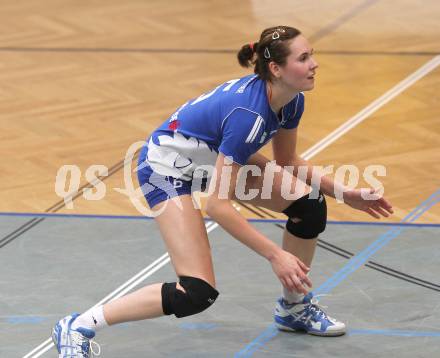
247,94
297,99
242,116
296,103
247,83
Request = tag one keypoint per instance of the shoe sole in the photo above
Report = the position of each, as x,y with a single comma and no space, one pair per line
323,334
55,338
55,334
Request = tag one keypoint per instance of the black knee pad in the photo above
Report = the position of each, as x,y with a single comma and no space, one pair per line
198,296
312,214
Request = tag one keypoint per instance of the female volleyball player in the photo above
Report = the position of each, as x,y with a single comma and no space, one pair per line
225,128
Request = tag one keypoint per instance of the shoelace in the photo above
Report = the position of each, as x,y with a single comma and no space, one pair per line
94,344
314,308
79,339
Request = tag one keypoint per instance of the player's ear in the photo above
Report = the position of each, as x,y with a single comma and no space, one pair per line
274,69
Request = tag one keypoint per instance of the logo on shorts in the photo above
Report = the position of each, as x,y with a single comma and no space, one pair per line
177,184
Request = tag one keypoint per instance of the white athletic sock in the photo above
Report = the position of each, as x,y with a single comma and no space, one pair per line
292,296
92,319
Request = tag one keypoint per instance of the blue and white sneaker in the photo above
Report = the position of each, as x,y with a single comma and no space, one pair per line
74,343
306,316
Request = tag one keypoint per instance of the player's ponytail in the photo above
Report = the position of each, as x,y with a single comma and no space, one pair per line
246,54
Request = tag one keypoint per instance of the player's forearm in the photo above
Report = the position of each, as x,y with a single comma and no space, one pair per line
235,224
316,177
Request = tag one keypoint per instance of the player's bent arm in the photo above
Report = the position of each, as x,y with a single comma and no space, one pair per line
219,207
285,154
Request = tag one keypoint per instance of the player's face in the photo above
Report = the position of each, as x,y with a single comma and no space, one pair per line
299,71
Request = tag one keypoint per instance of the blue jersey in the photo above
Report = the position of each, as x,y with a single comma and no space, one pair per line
234,119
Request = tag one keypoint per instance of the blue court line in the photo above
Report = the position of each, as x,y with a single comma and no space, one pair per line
35,320
139,217
76,216
199,326
271,332
352,265
25,319
392,332
367,223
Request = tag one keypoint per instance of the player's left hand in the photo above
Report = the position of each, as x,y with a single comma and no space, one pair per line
373,204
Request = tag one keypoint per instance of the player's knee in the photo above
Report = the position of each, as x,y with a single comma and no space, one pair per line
198,296
307,216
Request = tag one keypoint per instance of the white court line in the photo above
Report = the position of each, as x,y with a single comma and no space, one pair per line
312,151
372,107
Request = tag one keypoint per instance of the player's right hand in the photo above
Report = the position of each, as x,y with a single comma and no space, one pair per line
291,271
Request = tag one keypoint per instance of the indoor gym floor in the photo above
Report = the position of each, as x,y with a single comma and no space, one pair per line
390,304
